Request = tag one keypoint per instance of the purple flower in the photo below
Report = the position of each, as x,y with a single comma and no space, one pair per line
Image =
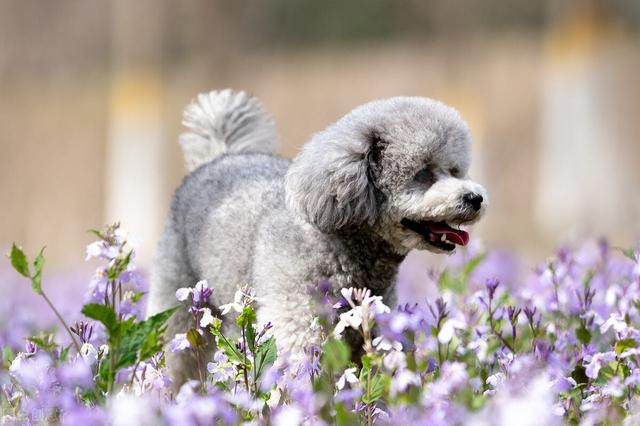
597,361
30,348
221,369
78,373
83,415
200,293
491,285
83,330
179,342
271,377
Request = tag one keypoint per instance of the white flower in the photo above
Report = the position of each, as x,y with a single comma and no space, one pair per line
127,409
369,307
630,352
352,318
347,293
207,318
399,322
447,331
289,415
590,402
381,343
103,349
179,342
148,378
395,360
495,380
376,303
221,368
183,293
480,347
94,249
16,364
241,299
558,409
347,376
598,361
402,380
89,353
614,388
530,408
616,321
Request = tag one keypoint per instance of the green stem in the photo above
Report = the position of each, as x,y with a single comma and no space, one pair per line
64,324
200,370
133,373
496,333
255,372
369,408
439,345
244,369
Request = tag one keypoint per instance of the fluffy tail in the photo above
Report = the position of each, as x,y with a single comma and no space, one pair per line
225,121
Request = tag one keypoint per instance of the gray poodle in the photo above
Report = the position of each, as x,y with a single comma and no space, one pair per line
389,177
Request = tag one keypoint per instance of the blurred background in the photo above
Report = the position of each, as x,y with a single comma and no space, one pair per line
91,95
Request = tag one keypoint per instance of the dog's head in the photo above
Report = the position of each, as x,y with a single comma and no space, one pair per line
396,166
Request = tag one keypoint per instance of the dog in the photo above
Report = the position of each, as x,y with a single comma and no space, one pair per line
387,178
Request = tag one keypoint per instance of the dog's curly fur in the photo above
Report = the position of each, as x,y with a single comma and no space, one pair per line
244,216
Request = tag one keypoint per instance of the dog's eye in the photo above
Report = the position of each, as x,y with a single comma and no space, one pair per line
424,176
454,171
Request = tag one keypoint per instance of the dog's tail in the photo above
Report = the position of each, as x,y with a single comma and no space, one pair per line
225,121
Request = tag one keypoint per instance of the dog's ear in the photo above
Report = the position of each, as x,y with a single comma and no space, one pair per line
330,183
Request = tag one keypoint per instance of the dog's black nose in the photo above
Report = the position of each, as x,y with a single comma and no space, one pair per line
473,199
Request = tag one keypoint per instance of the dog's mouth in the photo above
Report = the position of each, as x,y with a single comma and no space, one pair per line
438,234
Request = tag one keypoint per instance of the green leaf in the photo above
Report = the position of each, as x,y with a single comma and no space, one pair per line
583,335
7,356
265,355
97,233
374,390
606,373
227,346
103,313
630,253
366,361
136,296
449,282
19,261
36,280
64,353
142,340
335,355
151,345
345,417
471,266
195,338
251,337
45,342
625,344
247,317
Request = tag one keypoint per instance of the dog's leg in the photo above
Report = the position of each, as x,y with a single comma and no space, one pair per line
186,364
294,325
170,273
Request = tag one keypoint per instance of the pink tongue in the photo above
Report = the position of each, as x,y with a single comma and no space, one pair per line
456,236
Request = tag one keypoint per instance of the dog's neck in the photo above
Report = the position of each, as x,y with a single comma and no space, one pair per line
366,260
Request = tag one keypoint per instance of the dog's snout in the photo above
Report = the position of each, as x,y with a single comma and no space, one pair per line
473,199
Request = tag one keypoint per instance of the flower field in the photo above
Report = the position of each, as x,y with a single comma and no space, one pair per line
554,345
